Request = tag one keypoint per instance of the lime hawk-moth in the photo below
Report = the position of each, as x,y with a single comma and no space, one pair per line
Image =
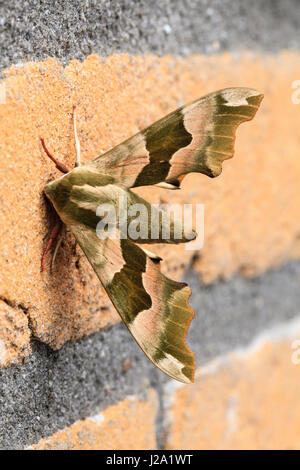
194,138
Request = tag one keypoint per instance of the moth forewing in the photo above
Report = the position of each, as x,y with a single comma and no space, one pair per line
197,137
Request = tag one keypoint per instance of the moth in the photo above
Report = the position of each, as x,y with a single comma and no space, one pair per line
197,137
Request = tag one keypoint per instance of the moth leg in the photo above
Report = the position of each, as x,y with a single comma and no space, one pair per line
60,166
77,143
58,243
54,233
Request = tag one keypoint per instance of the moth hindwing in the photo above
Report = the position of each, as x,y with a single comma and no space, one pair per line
197,137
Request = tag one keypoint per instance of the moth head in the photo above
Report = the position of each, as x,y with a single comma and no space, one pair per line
57,191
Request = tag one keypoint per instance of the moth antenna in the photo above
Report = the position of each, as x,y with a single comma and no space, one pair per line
60,166
58,243
77,143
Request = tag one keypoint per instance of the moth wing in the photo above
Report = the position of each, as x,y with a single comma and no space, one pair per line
156,225
154,308
197,137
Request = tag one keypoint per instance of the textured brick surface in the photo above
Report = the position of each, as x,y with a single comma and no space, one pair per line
14,335
128,425
248,400
252,209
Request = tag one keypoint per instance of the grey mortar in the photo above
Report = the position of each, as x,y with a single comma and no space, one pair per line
69,29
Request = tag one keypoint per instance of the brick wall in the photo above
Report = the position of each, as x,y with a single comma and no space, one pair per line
70,374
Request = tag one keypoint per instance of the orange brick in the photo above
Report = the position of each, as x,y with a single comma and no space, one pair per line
128,425
14,335
251,210
246,401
